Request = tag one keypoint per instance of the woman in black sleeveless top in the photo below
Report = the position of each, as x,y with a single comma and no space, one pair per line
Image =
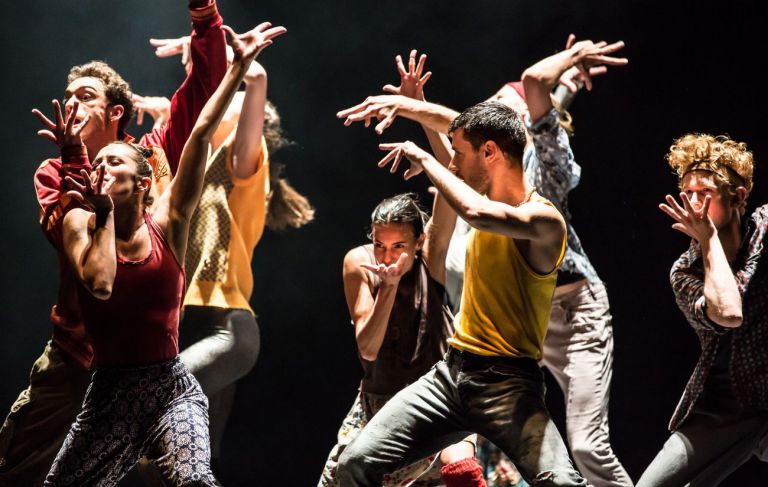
396,299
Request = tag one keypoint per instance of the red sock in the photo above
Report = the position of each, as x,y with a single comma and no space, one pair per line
464,473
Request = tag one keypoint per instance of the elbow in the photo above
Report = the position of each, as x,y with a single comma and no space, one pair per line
475,216
367,352
730,320
728,316
368,356
99,284
532,77
100,289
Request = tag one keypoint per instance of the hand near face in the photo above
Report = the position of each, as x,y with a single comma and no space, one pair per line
410,151
389,274
94,194
411,80
63,133
696,223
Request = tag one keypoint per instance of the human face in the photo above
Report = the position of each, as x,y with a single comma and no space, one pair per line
92,97
392,239
467,163
120,165
697,185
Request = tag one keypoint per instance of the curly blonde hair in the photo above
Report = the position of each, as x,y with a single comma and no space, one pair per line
729,161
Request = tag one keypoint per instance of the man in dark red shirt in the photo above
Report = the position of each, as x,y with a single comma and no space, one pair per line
39,419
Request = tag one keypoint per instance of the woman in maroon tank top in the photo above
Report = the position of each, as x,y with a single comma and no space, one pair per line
142,400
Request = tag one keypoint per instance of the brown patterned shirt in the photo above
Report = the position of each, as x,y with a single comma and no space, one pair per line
748,367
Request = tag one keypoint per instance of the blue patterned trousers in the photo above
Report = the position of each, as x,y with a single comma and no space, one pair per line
156,411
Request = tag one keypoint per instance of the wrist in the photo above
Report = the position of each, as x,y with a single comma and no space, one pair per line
70,149
103,215
389,285
709,241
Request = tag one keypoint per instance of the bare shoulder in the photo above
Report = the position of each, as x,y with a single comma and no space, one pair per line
550,223
355,257
77,218
544,209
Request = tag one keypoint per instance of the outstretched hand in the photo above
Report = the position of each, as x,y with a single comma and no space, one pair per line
172,47
389,274
248,45
63,133
588,55
384,108
157,107
696,223
397,150
573,80
411,81
94,194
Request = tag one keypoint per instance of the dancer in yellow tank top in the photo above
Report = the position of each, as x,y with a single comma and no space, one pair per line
489,382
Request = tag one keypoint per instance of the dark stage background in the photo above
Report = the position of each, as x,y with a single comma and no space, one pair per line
692,68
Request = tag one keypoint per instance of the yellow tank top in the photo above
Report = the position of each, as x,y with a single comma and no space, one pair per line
505,304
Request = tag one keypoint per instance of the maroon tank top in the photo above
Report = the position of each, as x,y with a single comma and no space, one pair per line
139,323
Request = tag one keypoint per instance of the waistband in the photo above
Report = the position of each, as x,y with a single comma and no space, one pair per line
165,370
462,358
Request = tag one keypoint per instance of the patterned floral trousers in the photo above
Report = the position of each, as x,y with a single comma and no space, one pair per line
423,473
156,411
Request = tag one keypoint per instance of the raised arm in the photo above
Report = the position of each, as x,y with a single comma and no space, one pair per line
718,296
175,207
89,234
536,222
247,145
207,50
412,83
386,108
540,79
370,314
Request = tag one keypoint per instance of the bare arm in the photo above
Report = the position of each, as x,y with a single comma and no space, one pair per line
89,236
387,107
540,79
440,226
538,223
721,292
370,315
412,83
247,145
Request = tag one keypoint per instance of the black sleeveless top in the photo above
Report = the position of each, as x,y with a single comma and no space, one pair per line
419,326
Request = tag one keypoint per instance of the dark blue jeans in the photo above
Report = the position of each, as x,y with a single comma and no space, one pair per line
500,398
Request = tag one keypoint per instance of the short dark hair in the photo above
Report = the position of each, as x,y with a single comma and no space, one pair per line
491,120
115,87
401,208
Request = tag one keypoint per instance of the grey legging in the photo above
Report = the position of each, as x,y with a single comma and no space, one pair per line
219,346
